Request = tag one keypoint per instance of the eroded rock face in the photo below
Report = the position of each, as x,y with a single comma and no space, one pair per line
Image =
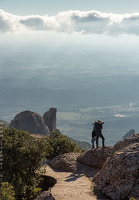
66,162
50,119
126,142
119,176
31,122
95,157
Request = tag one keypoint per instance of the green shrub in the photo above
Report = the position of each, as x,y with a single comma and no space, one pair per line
23,156
35,192
6,124
61,144
6,191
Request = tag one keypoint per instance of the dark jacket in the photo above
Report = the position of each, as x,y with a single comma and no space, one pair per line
97,128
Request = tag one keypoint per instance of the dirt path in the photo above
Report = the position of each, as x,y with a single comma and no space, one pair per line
70,186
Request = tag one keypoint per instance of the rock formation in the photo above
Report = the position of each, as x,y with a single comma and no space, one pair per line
129,133
46,195
31,122
66,162
88,162
50,119
95,157
126,142
119,176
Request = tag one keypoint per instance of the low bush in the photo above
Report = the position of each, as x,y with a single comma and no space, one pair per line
7,191
61,144
23,157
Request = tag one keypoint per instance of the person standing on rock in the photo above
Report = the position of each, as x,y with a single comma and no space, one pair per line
98,125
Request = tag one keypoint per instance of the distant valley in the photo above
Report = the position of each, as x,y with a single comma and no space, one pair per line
81,86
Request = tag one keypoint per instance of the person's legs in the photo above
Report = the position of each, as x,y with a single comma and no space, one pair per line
97,141
93,142
103,140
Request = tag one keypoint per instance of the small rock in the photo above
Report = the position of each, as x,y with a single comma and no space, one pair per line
46,195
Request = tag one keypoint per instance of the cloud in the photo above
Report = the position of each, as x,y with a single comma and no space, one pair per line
119,115
89,22
10,23
5,21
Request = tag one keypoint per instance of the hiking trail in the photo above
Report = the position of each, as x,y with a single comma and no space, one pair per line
71,186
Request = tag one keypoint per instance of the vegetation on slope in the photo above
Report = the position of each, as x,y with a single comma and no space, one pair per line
61,144
6,124
82,144
23,156
6,191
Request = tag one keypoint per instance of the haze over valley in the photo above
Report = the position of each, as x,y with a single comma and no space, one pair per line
80,57
84,82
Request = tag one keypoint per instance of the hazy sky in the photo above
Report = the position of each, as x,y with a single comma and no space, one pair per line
60,22
51,7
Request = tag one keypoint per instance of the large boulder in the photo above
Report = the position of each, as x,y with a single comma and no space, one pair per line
50,119
66,162
119,176
126,142
95,157
31,122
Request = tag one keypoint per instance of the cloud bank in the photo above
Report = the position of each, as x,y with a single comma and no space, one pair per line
89,22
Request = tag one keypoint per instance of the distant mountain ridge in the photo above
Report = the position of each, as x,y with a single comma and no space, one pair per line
82,144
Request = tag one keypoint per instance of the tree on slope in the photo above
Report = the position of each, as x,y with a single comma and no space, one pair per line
61,144
23,156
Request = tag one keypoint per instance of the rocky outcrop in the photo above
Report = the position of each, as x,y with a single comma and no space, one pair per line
50,119
119,176
95,157
129,133
31,122
46,195
66,162
126,142
69,162
87,162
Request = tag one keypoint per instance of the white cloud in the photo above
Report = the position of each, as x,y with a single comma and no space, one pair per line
10,23
119,115
90,22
